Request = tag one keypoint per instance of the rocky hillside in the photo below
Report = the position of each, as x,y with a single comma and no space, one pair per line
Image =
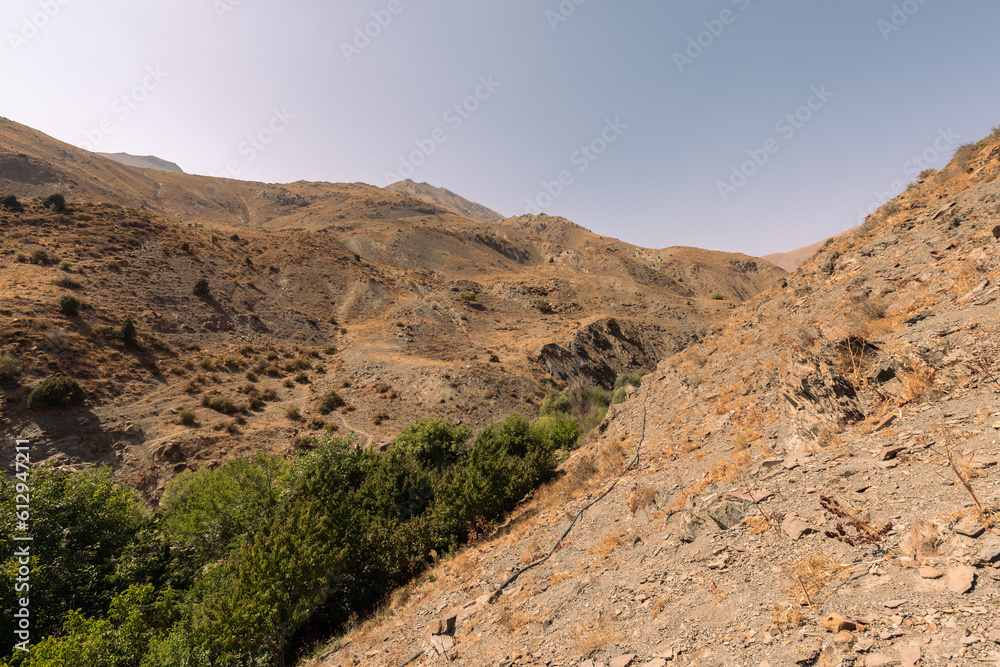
143,161
815,483
446,199
402,307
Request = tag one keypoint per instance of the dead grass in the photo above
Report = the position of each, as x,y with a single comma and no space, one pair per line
641,497
593,638
659,605
607,544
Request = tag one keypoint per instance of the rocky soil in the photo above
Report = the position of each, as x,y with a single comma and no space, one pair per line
815,483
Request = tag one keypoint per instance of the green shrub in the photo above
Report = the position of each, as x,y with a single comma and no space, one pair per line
494,359
10,203
271,355
39,257
467,296
330,401
293,413
10,369
599,397
434,443
200,287
301,377
69,305
251,376
559,431
332,320
223,404
330,349
185,247
56,392
234,237
186,417
557,402
963,156
542,305
128,333
618,396
719,297
55,202
634,379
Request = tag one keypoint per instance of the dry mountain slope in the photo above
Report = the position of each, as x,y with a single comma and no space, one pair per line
870,381
143,161
446,199
406,309
790,261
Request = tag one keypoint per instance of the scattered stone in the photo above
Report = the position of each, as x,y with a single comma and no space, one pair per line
926,541
836,623
793,461
960,579
909,656
928,572
775,460
795,527
864,645
880,660
441,643
726,514
890,453
623,660
843,638
970,526
979,462
656,662
894,604
442,626
990,551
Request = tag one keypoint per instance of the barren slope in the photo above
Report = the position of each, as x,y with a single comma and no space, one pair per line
860,381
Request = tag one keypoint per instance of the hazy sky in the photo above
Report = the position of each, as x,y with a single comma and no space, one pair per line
737,125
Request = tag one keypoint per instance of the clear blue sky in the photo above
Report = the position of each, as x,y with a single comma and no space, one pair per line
201,76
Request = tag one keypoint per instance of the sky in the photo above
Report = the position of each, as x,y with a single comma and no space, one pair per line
736,125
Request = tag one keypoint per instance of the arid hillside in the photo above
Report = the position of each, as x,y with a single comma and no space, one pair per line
402,308
446,199
814,483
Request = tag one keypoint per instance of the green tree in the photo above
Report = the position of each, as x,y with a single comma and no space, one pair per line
434,442
210,511
55,201
137,617
274,584
81,524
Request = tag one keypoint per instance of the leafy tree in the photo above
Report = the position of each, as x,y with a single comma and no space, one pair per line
558,431
433,442
275,583
81,524
507,460
211,511
10,203
557,402
136,617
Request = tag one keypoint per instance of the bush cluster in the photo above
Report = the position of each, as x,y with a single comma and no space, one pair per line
56,392
249,557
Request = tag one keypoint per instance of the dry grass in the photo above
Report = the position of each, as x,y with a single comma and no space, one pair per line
641,497
787,617
512,619
593,638
758,525
607,544
659,605
918,381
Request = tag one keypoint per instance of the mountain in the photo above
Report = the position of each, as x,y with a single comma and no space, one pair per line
790,261
143,161
401,305
813,483
446,199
